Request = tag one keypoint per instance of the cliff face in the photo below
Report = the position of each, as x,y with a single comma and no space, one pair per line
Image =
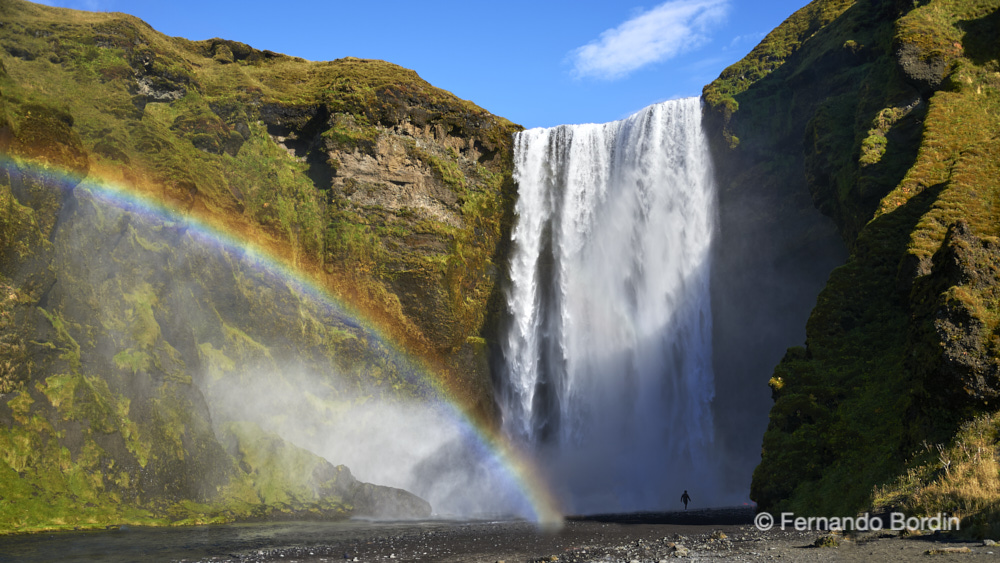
123,328
886,112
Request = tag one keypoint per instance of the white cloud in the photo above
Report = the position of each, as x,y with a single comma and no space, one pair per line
653,36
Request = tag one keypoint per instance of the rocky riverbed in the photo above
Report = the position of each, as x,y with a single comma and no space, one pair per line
726,535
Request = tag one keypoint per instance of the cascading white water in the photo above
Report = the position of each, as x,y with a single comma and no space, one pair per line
608,354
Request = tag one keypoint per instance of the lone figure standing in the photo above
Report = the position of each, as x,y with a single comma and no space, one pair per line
685,498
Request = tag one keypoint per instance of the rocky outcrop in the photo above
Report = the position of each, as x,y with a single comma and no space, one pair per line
387,502
295,481
960,349
924,71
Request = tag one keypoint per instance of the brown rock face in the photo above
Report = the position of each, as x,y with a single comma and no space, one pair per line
426,187
394,178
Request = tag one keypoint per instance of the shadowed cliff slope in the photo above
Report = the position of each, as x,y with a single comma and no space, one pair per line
116,323
889,113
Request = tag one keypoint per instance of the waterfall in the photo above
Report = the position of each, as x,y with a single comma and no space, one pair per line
608,354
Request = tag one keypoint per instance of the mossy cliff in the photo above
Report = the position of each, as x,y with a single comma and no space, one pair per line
886,113
116,324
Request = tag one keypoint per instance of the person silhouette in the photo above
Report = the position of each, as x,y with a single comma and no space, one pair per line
685,498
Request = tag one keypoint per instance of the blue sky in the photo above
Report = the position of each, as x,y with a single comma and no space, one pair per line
538,63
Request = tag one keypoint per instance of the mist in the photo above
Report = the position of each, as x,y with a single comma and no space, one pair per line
426,448
771,258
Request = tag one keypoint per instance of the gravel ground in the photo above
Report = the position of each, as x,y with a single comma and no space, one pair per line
724,535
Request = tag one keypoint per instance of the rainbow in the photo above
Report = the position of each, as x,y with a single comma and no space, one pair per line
519,468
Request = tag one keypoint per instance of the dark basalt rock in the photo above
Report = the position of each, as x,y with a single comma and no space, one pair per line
926,73
966,268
